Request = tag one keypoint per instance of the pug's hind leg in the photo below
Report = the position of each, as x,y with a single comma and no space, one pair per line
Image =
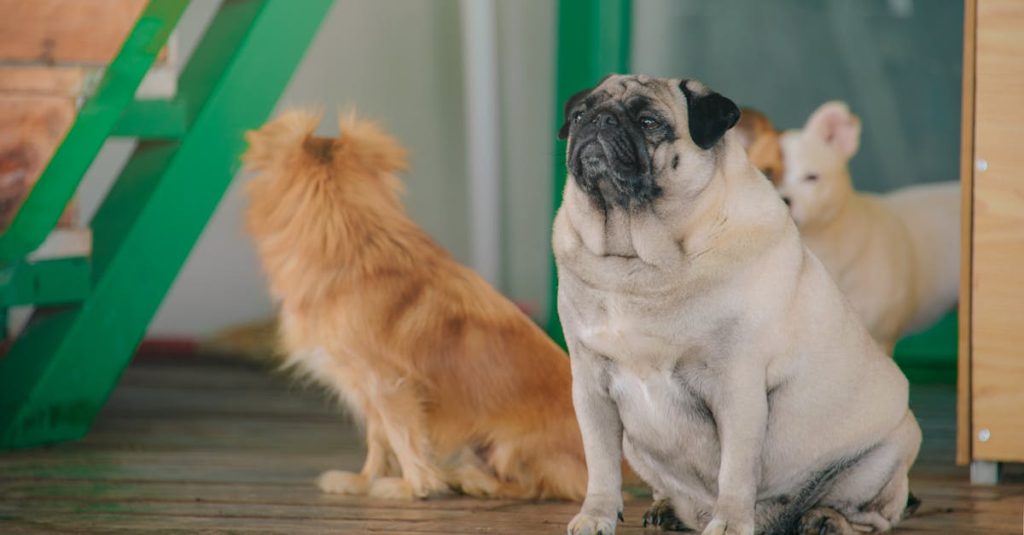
824,521
874,493
662,515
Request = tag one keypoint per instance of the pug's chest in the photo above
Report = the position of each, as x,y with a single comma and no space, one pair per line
669,432
641,331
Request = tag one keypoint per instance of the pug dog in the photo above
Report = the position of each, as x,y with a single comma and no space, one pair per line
708,345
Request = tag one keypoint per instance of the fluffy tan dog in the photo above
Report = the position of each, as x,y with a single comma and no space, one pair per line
458,390
895,256
758,135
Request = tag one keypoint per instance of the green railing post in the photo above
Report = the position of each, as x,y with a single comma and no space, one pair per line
593,40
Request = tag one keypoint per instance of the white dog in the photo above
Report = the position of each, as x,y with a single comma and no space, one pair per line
708,344
895,256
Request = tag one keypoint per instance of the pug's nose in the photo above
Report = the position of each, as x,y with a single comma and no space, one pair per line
606,119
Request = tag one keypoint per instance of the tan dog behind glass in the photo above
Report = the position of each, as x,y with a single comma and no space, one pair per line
759,136
457,389
707,343
896,256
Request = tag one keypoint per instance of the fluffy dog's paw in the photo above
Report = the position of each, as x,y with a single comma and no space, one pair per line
391,488
661,515
824,521
475,482
722,526
342,482
584,524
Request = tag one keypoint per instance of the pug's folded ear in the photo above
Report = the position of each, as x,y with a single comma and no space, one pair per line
709,114
563,132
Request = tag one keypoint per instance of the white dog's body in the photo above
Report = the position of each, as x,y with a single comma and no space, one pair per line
931,213
714,351
895,256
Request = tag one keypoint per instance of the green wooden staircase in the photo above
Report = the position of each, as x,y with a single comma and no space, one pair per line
58,372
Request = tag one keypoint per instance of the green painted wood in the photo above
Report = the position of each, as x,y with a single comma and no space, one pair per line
51,193
46,282
931,355
152,119
593,40
61,370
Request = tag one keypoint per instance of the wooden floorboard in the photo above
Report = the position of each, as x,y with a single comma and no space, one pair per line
214,446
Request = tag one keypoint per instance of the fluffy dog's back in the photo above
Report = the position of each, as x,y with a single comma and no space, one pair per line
375,310
931,213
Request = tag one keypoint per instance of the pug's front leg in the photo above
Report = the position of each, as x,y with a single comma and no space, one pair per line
740,409
602,444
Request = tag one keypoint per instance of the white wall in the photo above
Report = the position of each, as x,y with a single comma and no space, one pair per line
398,62
526,52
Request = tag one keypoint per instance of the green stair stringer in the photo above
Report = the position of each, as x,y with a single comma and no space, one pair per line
96,119
61,369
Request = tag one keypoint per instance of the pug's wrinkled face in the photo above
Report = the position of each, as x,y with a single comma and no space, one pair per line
632,138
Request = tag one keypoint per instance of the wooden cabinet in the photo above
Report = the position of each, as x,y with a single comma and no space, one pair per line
991,378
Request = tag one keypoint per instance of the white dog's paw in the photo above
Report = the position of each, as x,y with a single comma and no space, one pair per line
342,482
721,526
584,524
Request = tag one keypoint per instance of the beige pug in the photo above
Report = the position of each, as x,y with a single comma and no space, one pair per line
708,344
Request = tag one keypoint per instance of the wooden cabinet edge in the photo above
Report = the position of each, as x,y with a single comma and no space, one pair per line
963,428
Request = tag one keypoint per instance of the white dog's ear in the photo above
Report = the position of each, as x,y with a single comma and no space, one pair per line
833,123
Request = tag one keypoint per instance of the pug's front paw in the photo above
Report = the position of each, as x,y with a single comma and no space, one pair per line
584,524
723,526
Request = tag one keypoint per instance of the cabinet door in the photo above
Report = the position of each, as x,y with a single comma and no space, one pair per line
997,279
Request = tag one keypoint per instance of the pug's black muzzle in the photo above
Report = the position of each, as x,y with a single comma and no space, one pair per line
609,160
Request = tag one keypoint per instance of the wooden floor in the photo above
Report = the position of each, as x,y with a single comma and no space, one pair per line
193,445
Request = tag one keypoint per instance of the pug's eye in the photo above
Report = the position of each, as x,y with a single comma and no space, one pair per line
577,117
811,177
648,123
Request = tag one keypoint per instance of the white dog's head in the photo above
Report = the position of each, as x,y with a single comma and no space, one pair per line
816,180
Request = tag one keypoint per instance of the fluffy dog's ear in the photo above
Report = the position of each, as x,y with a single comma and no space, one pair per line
833,123
563,132
709,114
365,142
752,125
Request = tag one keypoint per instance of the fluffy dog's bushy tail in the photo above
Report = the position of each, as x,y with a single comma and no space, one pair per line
315,199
